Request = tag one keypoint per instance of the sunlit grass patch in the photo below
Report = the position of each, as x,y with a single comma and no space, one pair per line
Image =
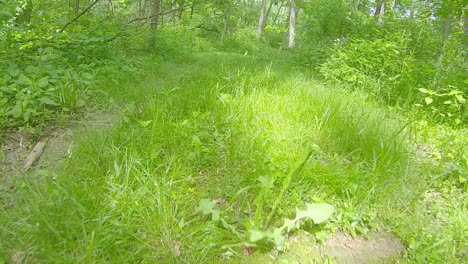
210,130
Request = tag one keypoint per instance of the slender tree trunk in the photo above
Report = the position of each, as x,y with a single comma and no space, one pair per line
76,8
226,27
155,10
262,19
269,9
392,5
380,12
181,9
464,21
413,9
192,10
143,7
278,12
292,24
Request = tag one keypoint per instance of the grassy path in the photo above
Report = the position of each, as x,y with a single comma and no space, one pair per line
221,127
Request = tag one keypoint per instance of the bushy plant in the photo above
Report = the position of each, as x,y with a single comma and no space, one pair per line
243,40
382,67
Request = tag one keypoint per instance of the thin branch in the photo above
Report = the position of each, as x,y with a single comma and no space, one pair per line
158,14
78,16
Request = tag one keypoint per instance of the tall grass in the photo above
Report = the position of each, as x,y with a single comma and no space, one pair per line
205,128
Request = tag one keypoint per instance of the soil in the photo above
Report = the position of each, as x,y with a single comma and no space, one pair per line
342,248
59,143
346,249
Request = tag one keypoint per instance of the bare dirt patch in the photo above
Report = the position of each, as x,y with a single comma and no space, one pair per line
59,142
381,247
346,249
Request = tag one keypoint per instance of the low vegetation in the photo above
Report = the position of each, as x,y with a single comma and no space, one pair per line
229,146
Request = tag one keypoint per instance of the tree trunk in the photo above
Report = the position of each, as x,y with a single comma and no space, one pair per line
77,7
392,4
380,12
277,13
262,19
226,27
155,10
142,8
292,24
413,9
181,9
464,20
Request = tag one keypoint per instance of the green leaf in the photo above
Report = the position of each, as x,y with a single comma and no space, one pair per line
422,90
17,110
26,115
267,181
318,212
206,206
43,82
22,79
289,224
145,123
257,235
3,101
428,100
460,98
88,76
47,101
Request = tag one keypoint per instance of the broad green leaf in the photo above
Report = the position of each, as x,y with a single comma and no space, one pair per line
289,224
23,80
460,98
43,82
278,238
422,90
47,101
6,13
215,215
318,212
428,100
454,92
267,181
88,76
17,110
206,206
26,115
257,235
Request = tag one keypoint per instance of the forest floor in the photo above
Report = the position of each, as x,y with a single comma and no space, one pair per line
61,142
122,184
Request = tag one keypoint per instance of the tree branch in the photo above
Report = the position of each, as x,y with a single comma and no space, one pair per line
78,16
158,14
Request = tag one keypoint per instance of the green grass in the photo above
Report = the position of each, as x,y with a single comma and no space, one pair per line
207,128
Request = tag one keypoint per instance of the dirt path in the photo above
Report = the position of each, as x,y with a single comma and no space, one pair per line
59,144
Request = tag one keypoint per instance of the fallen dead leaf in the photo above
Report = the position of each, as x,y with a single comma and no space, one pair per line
176,249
